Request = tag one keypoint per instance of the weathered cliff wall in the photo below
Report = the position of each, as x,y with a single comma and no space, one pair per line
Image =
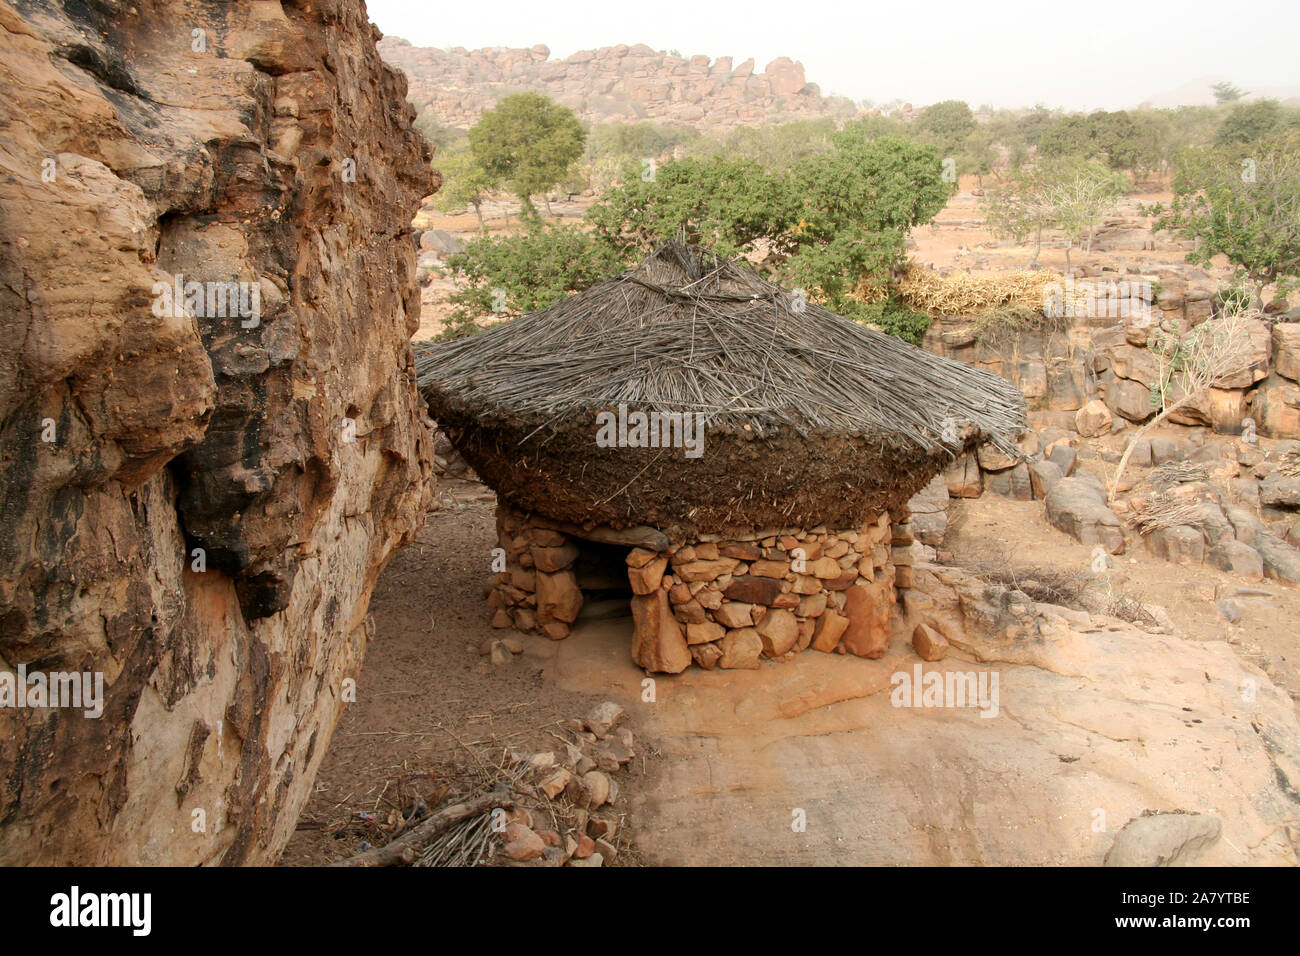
612,83
197,496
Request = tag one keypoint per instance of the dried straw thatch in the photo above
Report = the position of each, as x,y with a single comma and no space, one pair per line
810,418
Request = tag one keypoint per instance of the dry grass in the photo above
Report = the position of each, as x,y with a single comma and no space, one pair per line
961,293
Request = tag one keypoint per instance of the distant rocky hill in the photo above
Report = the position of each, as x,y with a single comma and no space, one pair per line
622,82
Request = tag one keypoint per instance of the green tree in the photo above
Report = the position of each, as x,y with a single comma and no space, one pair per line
1019,207
508,276
464,183
1244,207
727,205
529,143
859,202
1079,196
946,124
1249,122
1226,92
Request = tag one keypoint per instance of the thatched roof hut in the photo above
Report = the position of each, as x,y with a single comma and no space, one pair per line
808,418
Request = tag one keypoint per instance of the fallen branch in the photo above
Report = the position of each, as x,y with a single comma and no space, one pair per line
402,850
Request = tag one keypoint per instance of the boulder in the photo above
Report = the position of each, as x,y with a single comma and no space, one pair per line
658,644
558,597
1064,457
963,477
1180,544
1286,350
778,630
1093,419
1078,507
869,608
929,508
1012,483
929,644
1128,399
741,648
1164,839
1276,410
1279,490
1281,561
1042,476
753,590
1237,558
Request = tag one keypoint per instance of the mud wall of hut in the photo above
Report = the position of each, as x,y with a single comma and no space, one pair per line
715,601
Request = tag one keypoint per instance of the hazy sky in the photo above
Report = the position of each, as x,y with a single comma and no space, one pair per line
1091,54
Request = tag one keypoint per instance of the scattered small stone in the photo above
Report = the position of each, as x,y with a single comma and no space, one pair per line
522,844
603,717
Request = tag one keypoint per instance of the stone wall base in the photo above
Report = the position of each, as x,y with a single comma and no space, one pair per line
714,601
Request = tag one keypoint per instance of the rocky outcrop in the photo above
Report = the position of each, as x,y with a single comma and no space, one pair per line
208,418
622,82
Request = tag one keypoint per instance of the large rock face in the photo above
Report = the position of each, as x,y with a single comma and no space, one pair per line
197,495
623,82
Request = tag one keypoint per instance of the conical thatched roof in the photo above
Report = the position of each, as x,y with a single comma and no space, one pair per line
810,418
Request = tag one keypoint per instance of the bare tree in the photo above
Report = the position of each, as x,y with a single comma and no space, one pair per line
1188,364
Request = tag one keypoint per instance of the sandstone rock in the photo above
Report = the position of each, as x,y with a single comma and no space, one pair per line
706,655
1012,483
604,717
1281,561
829,629
1129,399
1280,490
646,578
180,428
1093,419
753,590
1164,839
772,569
734,614
929,643
521,843
1042,476
706,570
1237,558
1078,508
741,648
606,850
558,597
1286,350
868,608
658,644
929,508
554,559
1064,457
640,557
554,784
1276,410
1180,544
704,632
964,478
596,790
778,631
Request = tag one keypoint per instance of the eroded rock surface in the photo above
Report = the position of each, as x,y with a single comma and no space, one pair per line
1095,723
197,496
